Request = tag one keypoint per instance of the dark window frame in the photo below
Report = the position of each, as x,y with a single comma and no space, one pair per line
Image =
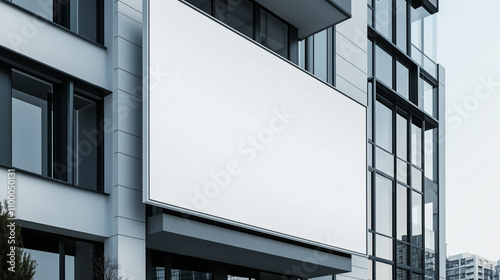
64,88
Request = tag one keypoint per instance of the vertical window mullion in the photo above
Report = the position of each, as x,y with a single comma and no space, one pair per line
5,115
62,264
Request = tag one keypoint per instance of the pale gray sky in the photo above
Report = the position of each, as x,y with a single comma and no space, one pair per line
469,49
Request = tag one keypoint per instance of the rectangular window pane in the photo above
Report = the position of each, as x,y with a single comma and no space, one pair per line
240,16
416,178
431,215
383,247
302,54
88,18
370,17
204,5
430,99
401,137
402,213
88,138
385,162
47,264
416,143
274,34
416,27
31,121
383,271
401,274
370,57
403,80
402,171
383,17
401,24
417,259
320,55
42,8
383,126
383,207
402,252
430,153
416,211
79,257
383,66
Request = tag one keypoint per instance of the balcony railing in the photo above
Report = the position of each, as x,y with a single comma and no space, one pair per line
425,62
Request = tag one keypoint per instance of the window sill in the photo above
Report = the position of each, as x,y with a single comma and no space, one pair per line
54,24
52,179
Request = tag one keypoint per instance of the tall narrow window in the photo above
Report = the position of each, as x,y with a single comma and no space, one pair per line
88,18
383,66
401,26
274,33
383,126
88,140
383,205
31,123
383,17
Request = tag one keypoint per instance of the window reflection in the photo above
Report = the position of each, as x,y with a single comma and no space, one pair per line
383,17
383,126
274,33
416,143
403,80
383,271
88,139
416,211
383,207
402,212
383,66
31,122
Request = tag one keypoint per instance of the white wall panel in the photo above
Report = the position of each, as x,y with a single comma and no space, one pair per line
240,135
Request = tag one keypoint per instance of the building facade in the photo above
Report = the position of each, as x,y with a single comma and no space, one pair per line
468,266
225,139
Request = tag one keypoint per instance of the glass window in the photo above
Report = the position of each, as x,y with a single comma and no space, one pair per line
416,143
31,122
321,55
430,99
204,5
383,126
401,274
430,35
416,27
383,271
383,247
47,264
237,14
370,17
89,18
402,252
42,8
274,33
417,259
383,207
184,268
385,162
416,178
302,54
84,17
383,66
79,259
158,262
401,137
88,139
431,215
401,24
370,57
430,153
402,212
402,80
416,218
240,16
383,17
402,171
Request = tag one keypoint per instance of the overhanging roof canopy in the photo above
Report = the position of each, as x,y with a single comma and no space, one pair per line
309,16
196,239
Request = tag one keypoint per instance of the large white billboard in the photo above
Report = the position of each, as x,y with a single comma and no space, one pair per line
235,133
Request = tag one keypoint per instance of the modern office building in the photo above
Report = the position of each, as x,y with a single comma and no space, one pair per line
471,267
225,139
